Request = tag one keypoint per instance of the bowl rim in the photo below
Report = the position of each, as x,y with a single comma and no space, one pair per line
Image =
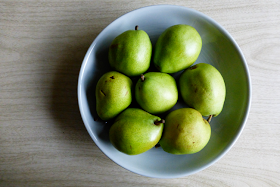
222,30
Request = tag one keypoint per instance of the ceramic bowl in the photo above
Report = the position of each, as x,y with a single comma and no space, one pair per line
219,49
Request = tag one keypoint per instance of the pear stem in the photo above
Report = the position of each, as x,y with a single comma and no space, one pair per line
159,122
209,118
142,77
136,27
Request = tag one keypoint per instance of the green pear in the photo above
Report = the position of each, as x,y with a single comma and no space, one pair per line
113,94
135,131
156,92
203,88
130,52
185,132
177,48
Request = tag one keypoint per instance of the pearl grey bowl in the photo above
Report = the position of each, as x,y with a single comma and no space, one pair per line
218,49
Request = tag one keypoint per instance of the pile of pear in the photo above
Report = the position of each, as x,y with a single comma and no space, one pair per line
139,129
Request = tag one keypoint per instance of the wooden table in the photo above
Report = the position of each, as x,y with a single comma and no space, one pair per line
43,141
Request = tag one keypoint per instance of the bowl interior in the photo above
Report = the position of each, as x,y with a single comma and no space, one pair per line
218,49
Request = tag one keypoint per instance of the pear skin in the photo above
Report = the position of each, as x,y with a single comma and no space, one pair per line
185,132
203,88
156,92
130,52
113,94
177,48
135,131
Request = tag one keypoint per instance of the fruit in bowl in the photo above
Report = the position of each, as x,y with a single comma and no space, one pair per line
113,94
130,52
203,88
185,132
217,47
156,92
135,131
177,48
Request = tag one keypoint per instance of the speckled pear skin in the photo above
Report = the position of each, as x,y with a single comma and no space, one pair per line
158,92
113,94
185,132
130,52
134,131
177,48
203,88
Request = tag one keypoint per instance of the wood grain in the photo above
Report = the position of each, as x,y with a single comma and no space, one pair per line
43,141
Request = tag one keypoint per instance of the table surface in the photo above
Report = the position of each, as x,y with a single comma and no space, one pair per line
43,141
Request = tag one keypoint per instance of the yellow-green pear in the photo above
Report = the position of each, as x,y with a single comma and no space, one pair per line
177,48
203,88
156,92
113,94
135,131
185,132
130,52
